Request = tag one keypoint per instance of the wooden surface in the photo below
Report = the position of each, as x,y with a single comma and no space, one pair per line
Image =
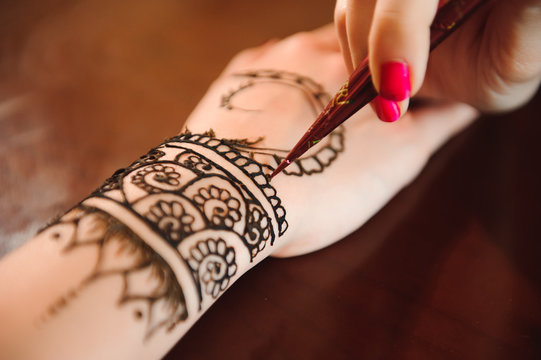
449,269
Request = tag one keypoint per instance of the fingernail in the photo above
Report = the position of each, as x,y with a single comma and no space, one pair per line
395,81
386,110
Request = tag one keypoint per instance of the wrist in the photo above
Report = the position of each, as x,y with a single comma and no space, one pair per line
161,240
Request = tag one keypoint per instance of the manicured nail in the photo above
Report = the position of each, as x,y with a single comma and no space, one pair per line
387,110
395,81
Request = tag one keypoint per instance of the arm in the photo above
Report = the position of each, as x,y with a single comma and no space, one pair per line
126,272
143,256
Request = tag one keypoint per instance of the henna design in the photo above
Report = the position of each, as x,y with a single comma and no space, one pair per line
218,205
163,302
157,177
172,219
214,264
182,215
113,181
313,161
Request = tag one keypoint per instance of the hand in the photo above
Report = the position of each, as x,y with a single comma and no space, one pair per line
493,62
372,160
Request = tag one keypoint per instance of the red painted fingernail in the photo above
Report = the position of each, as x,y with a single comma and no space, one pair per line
395,81
387,110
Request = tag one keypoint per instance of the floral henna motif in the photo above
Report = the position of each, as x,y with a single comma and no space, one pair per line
172,219
219,206
258,228
114,181
214,264
155,177
314,160
196,163
182,215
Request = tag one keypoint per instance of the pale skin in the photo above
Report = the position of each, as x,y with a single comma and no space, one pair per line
493,62
377,160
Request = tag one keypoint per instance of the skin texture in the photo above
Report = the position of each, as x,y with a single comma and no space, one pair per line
493,62
136,263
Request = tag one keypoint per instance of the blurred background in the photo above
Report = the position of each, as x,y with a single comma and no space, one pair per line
449,269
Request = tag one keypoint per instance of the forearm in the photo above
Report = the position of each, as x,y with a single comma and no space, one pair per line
126,272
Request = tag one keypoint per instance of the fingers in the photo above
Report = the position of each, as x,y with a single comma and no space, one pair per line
513,55
399,43
514,40
340,25
397,36
352,21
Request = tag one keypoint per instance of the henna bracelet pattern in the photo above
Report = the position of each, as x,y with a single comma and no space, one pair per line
185,215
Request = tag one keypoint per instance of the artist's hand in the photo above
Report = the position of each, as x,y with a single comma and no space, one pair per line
492,62
372,164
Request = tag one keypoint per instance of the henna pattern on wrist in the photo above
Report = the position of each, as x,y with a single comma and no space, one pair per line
133,261
185,215
317,158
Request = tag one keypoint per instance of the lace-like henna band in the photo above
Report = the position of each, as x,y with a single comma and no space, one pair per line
185,214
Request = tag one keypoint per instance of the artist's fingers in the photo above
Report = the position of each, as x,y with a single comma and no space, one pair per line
398,46
340,25
511,61
352,22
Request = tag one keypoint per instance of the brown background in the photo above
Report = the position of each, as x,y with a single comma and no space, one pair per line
447,270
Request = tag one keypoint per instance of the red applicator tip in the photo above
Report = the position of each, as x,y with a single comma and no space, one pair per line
285,163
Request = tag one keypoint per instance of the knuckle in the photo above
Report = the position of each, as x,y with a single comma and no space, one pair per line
511,68
246,54
253,53
303,39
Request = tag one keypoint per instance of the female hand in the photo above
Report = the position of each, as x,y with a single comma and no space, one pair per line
493,62
272,92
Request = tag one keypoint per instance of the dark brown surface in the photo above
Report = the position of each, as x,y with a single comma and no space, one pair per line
448,269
